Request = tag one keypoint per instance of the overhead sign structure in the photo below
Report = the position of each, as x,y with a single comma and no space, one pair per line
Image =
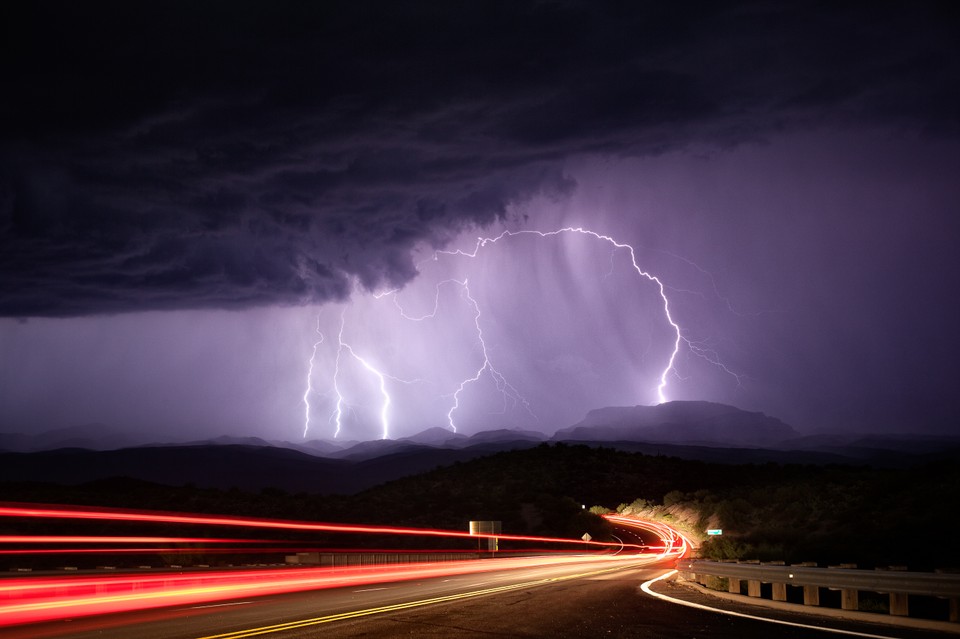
714,531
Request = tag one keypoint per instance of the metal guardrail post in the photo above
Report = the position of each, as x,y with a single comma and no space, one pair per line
899,602
954,612
753,585
849,597
779,588
733,585
811,594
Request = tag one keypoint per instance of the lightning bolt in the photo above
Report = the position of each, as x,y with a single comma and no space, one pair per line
382,377
716,290
486,367
306,393
678,337
506,389
338,408
711,356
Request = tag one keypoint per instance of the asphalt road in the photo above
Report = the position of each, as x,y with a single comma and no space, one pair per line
591,598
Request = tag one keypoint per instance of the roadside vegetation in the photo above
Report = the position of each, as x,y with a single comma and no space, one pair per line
827,514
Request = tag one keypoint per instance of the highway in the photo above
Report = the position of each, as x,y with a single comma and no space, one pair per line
585,596
607,591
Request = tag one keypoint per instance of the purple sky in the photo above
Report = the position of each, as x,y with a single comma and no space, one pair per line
188,193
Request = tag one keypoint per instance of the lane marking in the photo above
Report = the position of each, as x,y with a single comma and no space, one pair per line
371,589
646,588
304,623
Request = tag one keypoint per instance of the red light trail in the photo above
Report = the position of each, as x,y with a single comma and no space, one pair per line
42,598
151,550
68,539
56,512
674,542
30,600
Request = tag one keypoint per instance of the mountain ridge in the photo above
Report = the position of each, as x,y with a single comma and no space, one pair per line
702,431
680,422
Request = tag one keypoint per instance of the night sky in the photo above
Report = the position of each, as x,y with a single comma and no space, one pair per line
196,198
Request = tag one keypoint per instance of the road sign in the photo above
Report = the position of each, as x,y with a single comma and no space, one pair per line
586,537
714,531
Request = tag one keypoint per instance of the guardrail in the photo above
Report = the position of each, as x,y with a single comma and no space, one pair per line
376,558
846,578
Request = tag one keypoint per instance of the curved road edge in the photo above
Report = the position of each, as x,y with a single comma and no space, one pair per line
846,616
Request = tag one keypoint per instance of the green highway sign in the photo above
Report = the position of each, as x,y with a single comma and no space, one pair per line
714,531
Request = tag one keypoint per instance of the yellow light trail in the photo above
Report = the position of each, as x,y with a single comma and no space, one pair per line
304,623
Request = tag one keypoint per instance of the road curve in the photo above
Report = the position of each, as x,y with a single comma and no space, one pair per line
585,597
282,615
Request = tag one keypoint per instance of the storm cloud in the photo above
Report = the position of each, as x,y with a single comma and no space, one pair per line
228,155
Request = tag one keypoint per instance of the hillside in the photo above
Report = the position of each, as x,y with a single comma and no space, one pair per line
242,466
770,511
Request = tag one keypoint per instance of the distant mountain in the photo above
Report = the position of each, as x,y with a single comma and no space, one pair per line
251,463
318,446
92,436
690,430
217,466
377,448
224,440
436,439
882,449
680,422
436,436
245,467
503,435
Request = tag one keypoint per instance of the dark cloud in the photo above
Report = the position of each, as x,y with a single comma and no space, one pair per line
226,154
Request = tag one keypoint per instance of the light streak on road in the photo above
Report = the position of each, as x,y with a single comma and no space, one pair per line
154,550
260,550
39,598
353,614
647,588
674,543
75,539
28,600
55,512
